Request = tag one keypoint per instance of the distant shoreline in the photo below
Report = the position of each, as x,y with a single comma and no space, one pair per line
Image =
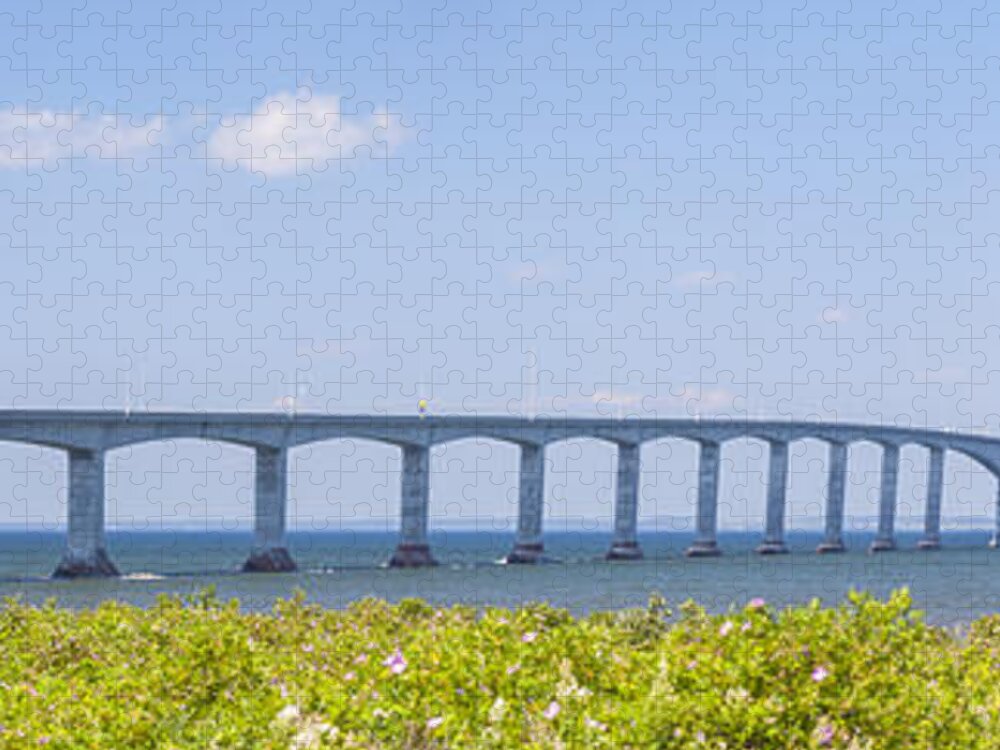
510,528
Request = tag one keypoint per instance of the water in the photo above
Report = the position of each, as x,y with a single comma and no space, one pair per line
953,585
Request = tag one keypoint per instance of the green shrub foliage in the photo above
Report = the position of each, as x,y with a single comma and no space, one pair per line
199,673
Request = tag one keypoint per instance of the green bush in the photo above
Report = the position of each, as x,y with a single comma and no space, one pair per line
199,673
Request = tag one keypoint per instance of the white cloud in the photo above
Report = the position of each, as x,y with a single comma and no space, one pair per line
703,278
835,315
292,132
698,399
619,398
715,398
45,137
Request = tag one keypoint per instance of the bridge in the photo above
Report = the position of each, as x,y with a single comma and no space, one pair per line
85,436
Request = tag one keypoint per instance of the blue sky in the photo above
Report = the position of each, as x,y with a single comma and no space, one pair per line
648,210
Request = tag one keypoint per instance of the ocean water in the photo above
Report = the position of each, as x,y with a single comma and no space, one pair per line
953,585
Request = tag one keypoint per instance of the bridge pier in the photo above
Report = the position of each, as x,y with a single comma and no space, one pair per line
625,544
935,489
705,544
270,552
85,554
994,542
413,550
529,548
836,488
885,539
774,532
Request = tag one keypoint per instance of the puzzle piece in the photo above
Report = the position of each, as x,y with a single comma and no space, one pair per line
699,211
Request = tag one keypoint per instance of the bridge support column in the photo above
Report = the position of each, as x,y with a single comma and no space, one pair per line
935,488
836,489
995,540
705,544
774,529
85,554
413,550
885,539
625,544
528,548
270,552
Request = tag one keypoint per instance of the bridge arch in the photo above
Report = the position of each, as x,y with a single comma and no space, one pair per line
258,476
915,458
32,438
743,483
581,480
33,485
956,476
181,485
306,437
578,465
484,482
865,459
345,484
810,462
669,488
344,479
175,433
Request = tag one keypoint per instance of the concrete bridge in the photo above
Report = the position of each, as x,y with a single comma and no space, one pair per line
87,435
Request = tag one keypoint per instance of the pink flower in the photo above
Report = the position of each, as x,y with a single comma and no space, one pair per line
435,722
819,674
824,735
756,603
726,629
529,637
396,662
349,676
594,724
551,711
745,627
513,668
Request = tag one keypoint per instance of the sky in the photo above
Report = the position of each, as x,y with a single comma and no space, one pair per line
698,209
